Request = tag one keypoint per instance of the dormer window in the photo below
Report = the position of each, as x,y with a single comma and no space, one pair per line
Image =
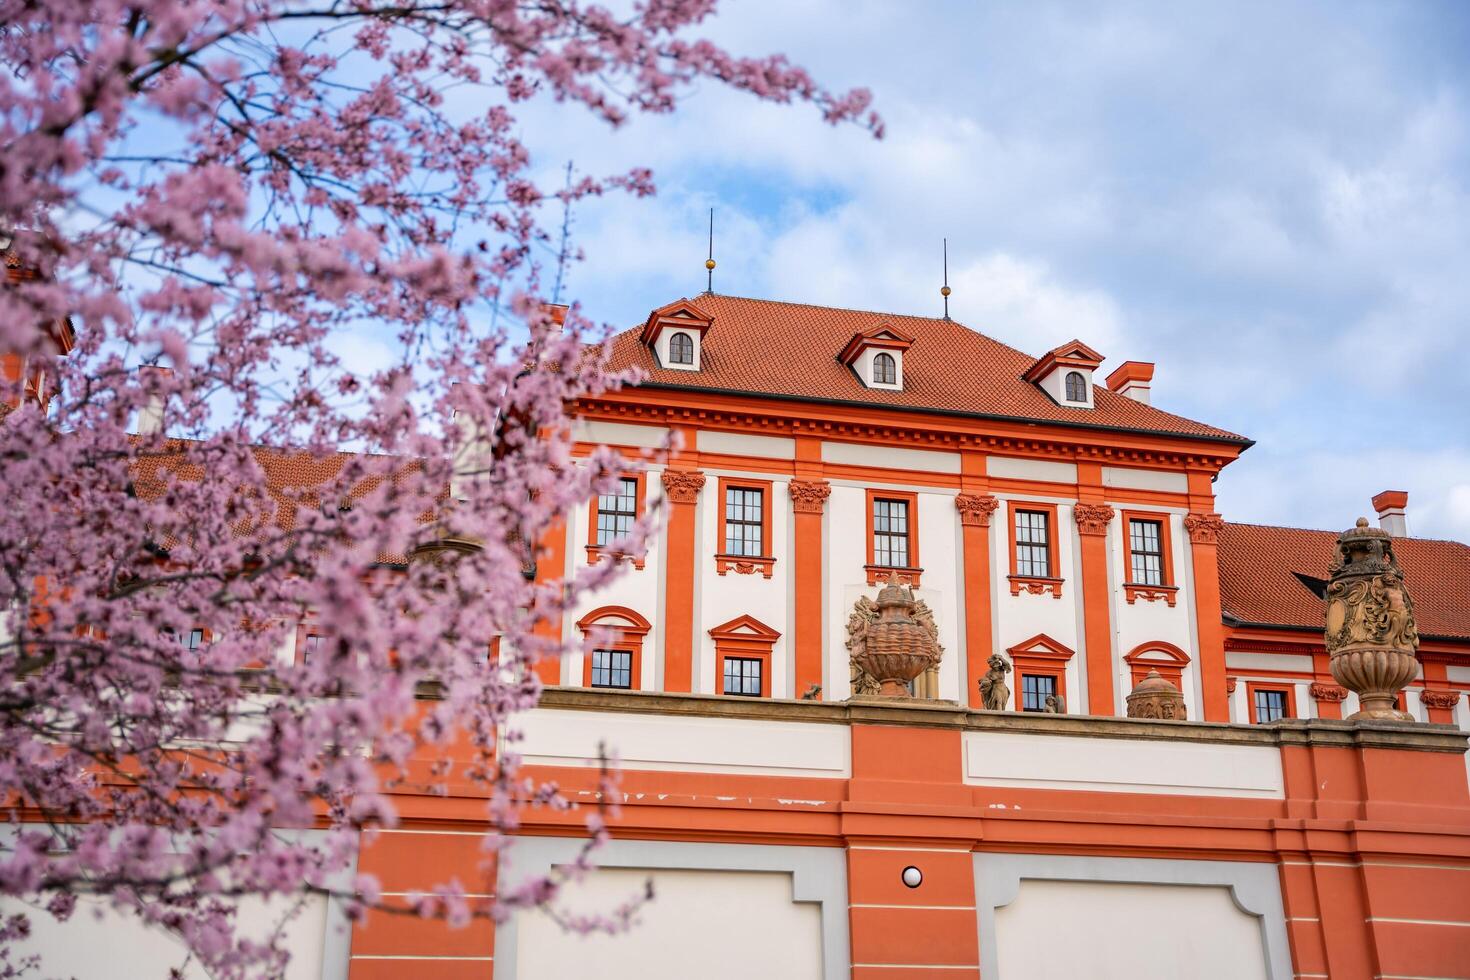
675,335
875,355
1076,387
1065,374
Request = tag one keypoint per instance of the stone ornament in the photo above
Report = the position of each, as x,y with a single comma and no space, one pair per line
1156,699
1204,528
683,486
1093,518
891,641
1446,700
809,496
1055,705
1370,631
976,509
995,693
1329,692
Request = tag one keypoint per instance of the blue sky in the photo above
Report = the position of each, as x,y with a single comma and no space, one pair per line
1270,200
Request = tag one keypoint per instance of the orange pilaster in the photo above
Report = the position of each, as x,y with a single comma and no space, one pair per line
1093,519
551,563
682,488
1204,535
808,500
975,512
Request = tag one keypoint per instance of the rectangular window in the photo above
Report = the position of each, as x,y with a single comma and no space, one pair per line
744,511
617,511
612,668
743,676
890,533
1146,550
1035,689
1270,705
313,645
1033,544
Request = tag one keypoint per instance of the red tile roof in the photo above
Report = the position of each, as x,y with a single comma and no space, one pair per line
791,350
1258,584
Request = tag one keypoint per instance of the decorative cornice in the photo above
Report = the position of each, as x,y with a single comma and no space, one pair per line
1204,528
1152,593
1035,585
809,496
1329,692
683,486
1446,700
976,508
918,435
1093,518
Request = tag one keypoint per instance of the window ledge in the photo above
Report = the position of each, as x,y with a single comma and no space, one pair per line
596,552
1036,585
1153,593
878,574
744,564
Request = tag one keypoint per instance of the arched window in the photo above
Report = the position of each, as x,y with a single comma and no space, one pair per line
681,349
1076,387
885,370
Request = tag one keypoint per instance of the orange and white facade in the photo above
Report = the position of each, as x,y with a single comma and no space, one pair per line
1069,526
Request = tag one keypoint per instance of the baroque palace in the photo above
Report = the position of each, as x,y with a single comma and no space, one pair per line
1118,747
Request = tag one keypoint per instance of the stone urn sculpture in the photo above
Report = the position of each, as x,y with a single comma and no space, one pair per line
1156,698
893,640
1371,635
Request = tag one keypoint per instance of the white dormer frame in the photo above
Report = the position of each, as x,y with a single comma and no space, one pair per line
678,318
861,355
1050,373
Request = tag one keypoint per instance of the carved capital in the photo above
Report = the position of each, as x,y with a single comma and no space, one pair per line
1440,699
975,508
1230,683
1093,518
1204,528
809,496
683,486
1329,692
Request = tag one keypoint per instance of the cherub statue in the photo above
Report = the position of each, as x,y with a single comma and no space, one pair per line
1055,705
994,691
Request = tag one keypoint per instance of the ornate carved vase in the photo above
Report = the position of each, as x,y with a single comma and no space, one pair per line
1371,634
1154,697
889,643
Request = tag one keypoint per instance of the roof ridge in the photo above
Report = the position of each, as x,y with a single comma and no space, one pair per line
844,309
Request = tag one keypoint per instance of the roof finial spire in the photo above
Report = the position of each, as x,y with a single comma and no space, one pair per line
709,263
944,290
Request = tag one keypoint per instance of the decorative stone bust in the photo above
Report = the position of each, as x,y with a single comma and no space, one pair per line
1370,630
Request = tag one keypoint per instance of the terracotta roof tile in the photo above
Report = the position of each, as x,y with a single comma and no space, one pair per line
778,349
1259,584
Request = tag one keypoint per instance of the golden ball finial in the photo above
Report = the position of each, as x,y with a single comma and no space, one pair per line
709,263
944,291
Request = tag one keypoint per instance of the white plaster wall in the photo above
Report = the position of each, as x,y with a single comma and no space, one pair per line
97,943
1149,622
1023,616
558,737
1021,468
1126,931
891,457
661,348
1140,479
1120,765
939,538
637,589
724,597
846,554
863,365
709,924
619,434
742,444
1055,384
1240,660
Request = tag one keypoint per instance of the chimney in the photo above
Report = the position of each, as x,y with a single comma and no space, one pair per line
557,312
150,416
1131,379
1391,506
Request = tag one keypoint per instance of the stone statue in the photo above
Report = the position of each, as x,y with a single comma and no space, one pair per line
1371,635
1055,705
812,693
1156,699
891,641
993,688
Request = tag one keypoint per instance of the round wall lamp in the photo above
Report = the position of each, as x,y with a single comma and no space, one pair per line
913,877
